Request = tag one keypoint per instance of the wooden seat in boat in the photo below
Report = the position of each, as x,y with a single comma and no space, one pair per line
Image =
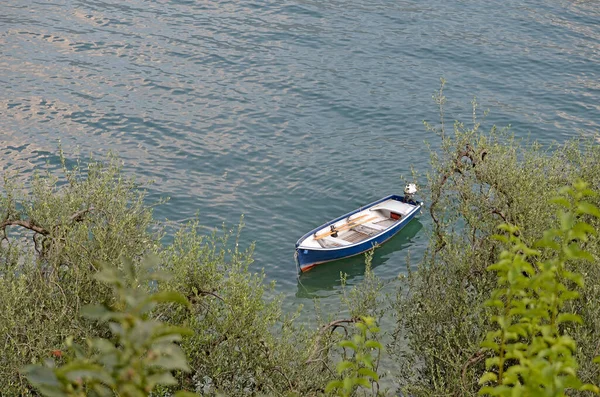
365,218
369,229
376,226
330,242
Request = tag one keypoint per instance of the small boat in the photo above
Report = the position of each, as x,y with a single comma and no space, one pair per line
357,231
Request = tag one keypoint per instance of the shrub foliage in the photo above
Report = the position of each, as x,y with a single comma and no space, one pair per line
143,352
53,232
537,334
56,229
479,180
531,354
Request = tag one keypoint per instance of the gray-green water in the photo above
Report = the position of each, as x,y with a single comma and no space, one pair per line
290,112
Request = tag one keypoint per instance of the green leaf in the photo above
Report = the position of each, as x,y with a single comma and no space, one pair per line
96,312
580,185
348,384
163,378
490,345
494,303
109,275
492,362
361,382
104,346
500,237
166,340
588,208
102,391
574,252
373,344
569,295
561,201
169,297
344,365
575,277
587,387
131,390
374,330
588,192
362,327
565,190
74,371
548,240
364,359
584,228
128,267
52,391
116,329
174,360
566,220
368,320
348,344
488,377
333,385
40,375
569,317
369,372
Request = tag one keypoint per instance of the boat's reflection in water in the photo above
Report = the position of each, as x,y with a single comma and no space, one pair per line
320,281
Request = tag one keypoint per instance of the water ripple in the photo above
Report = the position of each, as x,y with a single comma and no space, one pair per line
289,112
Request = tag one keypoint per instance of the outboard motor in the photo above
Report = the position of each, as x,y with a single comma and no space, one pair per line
409,192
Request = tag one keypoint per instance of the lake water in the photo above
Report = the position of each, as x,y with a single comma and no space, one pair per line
289,112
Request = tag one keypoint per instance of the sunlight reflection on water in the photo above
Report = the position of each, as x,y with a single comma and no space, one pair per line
289,113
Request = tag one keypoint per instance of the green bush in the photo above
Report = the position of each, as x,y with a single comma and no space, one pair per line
531,354
359,371
53,232
242,344
142,353
56,228
479,180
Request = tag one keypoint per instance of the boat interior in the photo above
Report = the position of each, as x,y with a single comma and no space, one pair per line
359,226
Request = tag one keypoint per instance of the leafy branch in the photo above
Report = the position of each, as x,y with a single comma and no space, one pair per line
361,370
143,352
532,355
